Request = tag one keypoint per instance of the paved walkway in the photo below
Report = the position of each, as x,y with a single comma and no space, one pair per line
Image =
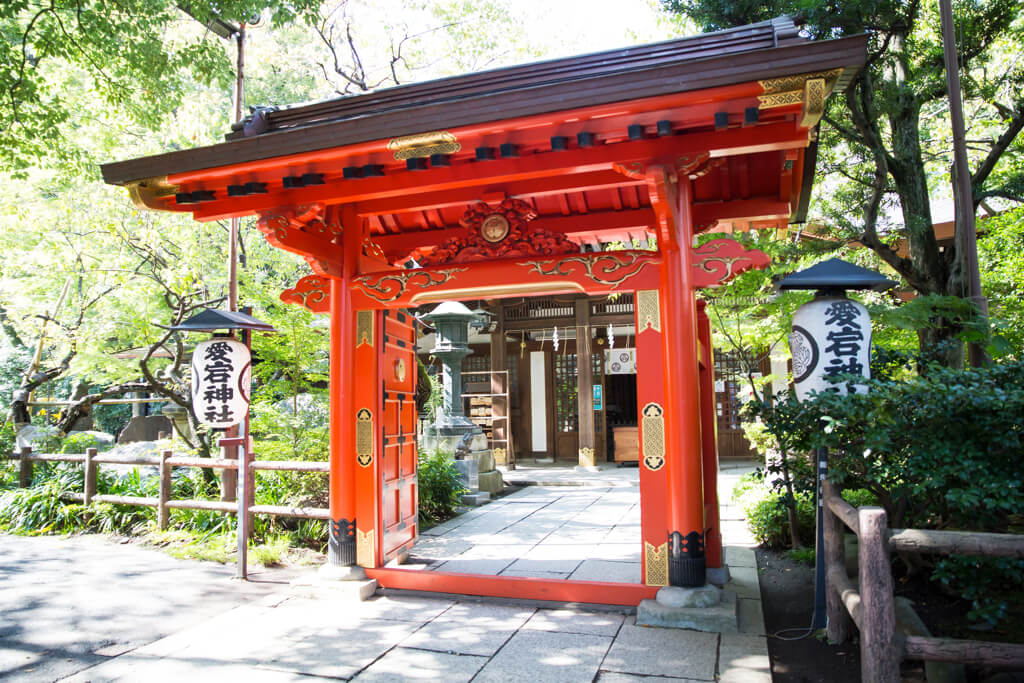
582,533
99,611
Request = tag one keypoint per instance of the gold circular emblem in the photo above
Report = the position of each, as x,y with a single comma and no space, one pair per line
494,228
400,370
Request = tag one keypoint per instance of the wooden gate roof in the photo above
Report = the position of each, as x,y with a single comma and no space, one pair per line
735,109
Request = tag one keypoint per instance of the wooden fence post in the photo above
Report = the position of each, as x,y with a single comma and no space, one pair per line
839,621
879,653
25,468
245,468
90,476
228,477
163,513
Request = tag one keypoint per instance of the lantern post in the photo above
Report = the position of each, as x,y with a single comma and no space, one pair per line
831,336
221,382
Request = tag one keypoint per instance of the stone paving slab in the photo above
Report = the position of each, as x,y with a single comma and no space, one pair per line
478,566
574,621
616,677
551,657
559,566
744,659
744,582
470,629
738,556
663,652
407,664
603,570
535,575
336,651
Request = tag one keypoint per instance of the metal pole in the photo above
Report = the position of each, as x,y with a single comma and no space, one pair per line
238,105
242,528
963,195
819,620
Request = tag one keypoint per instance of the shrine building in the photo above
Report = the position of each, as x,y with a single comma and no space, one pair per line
562,194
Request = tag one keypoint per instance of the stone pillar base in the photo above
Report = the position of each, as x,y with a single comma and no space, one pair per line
705,608
335,572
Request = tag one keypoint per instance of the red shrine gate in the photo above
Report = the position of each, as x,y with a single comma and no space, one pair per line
534,170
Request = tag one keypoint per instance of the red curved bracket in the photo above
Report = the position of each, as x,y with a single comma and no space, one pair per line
721,260
311,292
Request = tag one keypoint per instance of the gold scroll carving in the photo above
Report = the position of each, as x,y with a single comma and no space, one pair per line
423,145
656,564
391,286
364,437
364,548
364,328
788,90
652,427
814,102
648,310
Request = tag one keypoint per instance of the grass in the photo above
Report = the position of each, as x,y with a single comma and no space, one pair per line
802,556
222,546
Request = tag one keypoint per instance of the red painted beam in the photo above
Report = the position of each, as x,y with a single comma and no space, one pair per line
754,209
583,226
523,588
475,174
305,244
577,182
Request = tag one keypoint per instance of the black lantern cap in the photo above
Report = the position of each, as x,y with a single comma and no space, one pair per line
835,274
212,319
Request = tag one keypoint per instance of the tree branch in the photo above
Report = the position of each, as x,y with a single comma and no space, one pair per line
1000,146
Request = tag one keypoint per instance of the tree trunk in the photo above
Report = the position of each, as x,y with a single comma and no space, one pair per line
787,480
931,271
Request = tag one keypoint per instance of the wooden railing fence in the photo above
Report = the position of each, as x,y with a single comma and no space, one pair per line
871,604
243,506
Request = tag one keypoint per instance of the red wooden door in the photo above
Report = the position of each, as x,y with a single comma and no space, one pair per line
397,467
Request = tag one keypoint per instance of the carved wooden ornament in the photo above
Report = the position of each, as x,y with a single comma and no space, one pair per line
303,231
311,292
721,260
497,232
655,564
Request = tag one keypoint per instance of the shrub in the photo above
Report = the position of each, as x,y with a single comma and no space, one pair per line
8,468
439,487
938,448
78,442
39,509
802,555
768,521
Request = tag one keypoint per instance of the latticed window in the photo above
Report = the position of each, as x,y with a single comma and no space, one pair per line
512,365
728,379
597,363
566,393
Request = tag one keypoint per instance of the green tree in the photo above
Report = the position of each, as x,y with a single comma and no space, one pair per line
1002,275
884,143
139,57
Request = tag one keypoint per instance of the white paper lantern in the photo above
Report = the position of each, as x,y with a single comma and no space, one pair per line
831,336
221,382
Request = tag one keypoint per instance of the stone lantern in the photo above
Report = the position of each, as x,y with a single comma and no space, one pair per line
452,430
452,321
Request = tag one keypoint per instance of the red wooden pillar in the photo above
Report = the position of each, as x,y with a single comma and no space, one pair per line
341,537
687,565
650,392
709,443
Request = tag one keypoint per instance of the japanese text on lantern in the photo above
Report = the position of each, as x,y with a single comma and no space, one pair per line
218,371
844,339
220,382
